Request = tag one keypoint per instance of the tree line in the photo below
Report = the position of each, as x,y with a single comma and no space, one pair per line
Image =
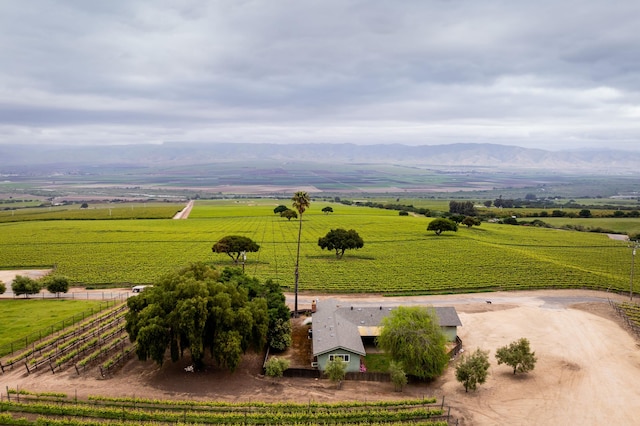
26,286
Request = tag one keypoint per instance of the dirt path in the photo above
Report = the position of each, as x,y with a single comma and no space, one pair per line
586,374
184,213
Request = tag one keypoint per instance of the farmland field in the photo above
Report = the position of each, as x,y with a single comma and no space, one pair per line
47,314
619,225
399,255
95,211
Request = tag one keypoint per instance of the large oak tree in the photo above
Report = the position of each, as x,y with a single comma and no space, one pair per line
341,240
234,246
199,309
441,225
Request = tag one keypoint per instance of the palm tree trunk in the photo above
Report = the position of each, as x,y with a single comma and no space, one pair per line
297,272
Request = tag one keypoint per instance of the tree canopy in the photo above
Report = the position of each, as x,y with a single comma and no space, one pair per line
3,287
327,210
25,285
280,209
234,246
57,284
289,214
470,221
441,225
301,201
341,240
464,208
199,308
412,336
473,369
517,355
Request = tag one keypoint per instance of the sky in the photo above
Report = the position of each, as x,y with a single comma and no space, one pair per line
543,74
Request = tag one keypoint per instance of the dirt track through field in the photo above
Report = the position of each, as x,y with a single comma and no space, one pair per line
184,213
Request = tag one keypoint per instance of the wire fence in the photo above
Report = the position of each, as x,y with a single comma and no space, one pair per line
10,348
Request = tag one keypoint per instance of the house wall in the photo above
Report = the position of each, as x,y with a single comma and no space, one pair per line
352,366
450,332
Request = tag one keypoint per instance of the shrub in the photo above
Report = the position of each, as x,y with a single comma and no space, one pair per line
275,367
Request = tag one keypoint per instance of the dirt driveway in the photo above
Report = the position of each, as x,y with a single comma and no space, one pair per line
587,371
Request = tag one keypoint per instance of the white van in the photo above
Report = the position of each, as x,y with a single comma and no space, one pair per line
139,288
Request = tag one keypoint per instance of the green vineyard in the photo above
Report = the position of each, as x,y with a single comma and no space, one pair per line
399,255
58,409
99,338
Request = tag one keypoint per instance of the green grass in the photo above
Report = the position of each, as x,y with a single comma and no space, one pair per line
399,255
377,363
23,317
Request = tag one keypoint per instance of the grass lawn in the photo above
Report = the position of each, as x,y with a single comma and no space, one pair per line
22,319
377,362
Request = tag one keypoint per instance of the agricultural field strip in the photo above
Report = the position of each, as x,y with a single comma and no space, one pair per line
68,332
399,255
105,349
246,413
103,212
70,349
548,257
68,340
116,357
631,311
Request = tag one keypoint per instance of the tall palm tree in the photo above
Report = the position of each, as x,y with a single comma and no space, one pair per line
301,203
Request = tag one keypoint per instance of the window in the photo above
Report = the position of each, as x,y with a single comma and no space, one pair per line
343,357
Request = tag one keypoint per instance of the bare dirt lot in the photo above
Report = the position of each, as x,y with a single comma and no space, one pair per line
587,370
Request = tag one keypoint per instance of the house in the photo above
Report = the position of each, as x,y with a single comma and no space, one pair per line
340,330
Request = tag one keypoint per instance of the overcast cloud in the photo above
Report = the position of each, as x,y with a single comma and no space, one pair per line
548,74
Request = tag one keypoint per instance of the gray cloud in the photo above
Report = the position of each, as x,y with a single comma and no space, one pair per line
542,74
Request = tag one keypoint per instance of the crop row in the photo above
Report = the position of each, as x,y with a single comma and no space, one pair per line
117,358
257,406
274,416
97,332
8,419
123,410
54,343
631,311
399,254
102,351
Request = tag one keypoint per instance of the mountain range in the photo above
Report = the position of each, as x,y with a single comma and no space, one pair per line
490,156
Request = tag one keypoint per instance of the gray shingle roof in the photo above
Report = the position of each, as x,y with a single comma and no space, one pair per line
338,325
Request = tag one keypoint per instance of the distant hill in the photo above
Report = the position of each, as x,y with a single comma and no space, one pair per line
490,156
